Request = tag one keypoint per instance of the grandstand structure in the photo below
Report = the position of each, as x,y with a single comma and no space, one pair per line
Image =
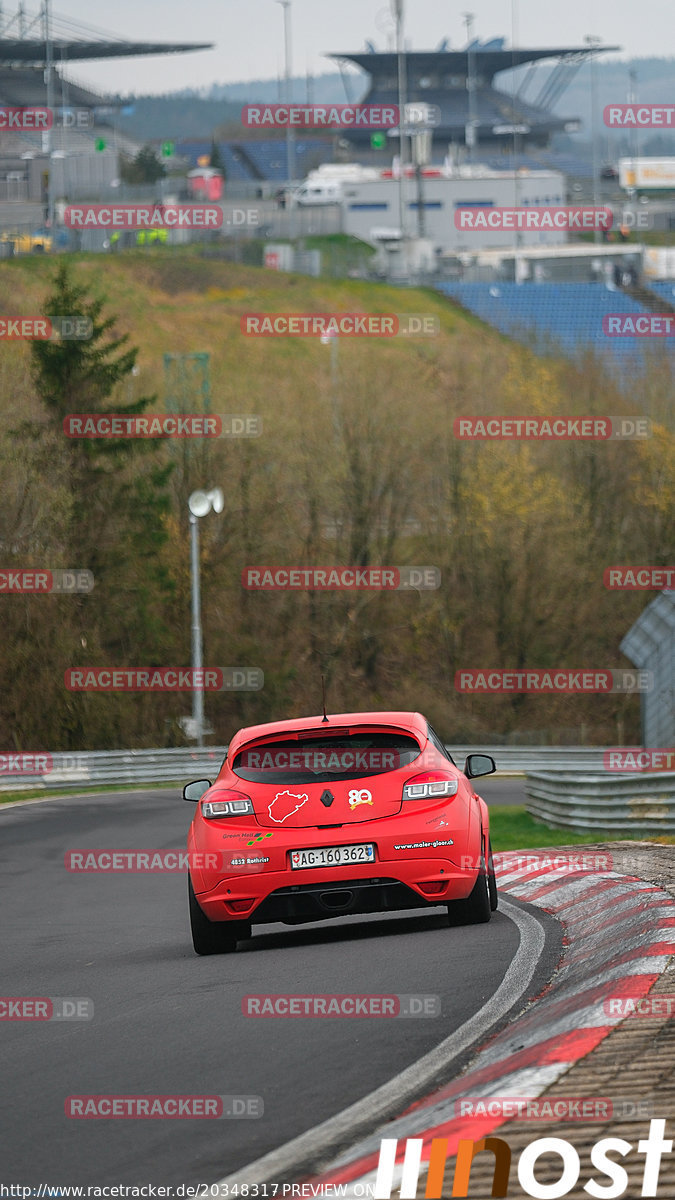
262,160
82,151
510,128
460,83
566,318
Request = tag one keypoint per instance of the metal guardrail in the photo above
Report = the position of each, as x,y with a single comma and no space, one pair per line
520,760
71,771
68,772
610,801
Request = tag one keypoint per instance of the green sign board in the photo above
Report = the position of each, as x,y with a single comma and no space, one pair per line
167,149
378,141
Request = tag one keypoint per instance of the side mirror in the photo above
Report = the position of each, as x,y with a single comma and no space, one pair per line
478,764
195,791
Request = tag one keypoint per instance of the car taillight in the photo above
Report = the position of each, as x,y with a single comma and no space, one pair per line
431,785
229,804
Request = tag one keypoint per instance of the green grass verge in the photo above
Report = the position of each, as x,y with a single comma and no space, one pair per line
512,828
43,794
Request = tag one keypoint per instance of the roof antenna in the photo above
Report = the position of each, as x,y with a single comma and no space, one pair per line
323,692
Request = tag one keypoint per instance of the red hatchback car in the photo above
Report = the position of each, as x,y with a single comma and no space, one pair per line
331,816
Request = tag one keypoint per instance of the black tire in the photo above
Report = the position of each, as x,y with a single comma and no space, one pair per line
492,880
210,937
477,908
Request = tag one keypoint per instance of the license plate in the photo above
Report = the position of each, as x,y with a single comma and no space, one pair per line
332,856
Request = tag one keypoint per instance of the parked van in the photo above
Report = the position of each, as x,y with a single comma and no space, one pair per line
325,185
319,192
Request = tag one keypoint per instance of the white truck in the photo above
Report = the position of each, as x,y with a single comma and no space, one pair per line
647,174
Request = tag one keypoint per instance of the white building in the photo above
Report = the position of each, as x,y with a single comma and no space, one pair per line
372,206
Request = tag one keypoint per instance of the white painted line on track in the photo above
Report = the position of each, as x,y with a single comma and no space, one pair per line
391,1096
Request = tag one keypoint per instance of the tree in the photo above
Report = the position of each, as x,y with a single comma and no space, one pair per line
81,376
144,168
118,487
216,159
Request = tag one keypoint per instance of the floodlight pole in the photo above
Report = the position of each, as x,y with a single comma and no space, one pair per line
400,56
49,81
290,131
470,87
516,177
197,693
199,504
632,99
593,41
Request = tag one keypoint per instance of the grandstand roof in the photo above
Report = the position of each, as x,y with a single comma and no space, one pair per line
440,78
23,39
29,50
489,62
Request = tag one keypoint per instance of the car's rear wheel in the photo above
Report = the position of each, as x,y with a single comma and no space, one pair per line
477,908
492,879
210,937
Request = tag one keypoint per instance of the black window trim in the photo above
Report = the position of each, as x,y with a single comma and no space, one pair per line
436,741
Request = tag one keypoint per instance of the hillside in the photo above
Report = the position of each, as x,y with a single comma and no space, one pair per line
362,471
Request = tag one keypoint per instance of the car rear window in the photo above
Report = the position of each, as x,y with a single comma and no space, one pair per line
320,759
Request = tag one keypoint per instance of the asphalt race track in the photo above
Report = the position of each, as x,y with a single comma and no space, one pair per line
168,1022
501,791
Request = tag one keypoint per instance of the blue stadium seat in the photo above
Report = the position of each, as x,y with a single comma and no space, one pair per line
664,288
558,317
